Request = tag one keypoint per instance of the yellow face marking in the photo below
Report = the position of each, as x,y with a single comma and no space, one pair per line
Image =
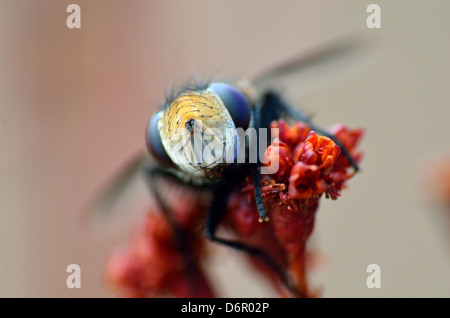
207,110
204,106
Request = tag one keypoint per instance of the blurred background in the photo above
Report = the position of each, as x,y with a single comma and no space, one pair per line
74,105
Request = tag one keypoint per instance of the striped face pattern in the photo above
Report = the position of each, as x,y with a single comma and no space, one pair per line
198,133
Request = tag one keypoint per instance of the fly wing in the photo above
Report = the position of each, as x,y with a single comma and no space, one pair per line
123,200
304,72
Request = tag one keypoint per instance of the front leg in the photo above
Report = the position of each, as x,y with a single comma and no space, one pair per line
214,217
182,240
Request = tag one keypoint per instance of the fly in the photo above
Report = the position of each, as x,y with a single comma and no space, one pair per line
196,140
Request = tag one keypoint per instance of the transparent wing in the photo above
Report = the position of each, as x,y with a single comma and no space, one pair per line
123,200
122,203
314,68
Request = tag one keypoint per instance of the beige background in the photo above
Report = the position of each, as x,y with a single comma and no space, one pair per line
74,105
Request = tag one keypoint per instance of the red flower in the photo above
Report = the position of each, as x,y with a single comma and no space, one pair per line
309,166
280,153
349,139
153,266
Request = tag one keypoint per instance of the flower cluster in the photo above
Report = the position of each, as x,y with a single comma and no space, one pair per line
310,166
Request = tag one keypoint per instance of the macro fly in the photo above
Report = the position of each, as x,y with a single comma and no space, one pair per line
175,140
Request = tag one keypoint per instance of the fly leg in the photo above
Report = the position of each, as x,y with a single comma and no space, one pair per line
213,218
181,238
257,123
274,107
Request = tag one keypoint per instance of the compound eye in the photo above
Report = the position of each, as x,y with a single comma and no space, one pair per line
154,143
235,102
